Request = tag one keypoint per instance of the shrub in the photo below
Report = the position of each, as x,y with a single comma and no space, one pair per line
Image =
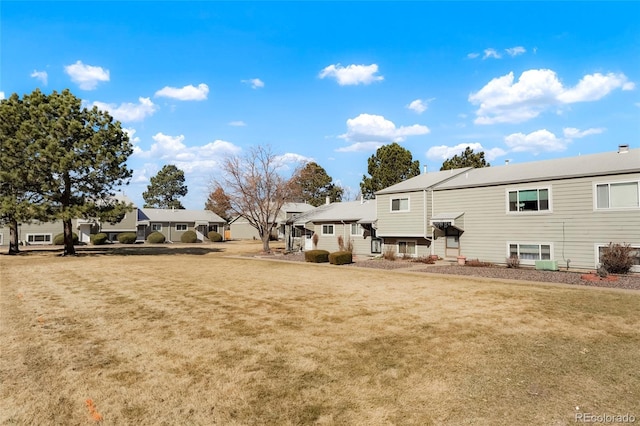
340,242
58,240
616,258
477,263
156,238
340,258
513,262
429,260
349,246
314,240
189,237
316,256
99,239
214,237
127,237
389,253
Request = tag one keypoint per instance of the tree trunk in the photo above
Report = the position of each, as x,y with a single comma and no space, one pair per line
69,249
265,242
14,244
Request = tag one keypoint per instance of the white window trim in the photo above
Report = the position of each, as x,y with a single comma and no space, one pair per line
39,242
1,239
156,230
525,243
333,227
408,198
415,242
529,212
186,227
596,253
612,209
360,229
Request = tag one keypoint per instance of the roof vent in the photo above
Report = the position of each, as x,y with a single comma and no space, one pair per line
506,162
623,149
424,169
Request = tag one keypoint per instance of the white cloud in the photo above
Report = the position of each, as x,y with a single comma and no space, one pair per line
291,159
86,77
238,123
491,53
127,112
361,147
536,142
255,83
503,100
190,159
135,140
186,93
515,51
40,75
444,152
1,95
352,74
377,129
473,55
419,105
573,133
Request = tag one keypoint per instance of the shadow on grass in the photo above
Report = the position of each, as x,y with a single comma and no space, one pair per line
127,250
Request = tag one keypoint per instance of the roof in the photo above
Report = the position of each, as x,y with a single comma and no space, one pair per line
607,163
351,211
178,215
296,207
423,181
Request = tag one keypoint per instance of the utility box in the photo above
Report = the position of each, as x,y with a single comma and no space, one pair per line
547,265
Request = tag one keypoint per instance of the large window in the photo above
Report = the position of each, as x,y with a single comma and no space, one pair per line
635,254
327,229
400,204
619,195
356,229
407,248
529,200
528,253
39,238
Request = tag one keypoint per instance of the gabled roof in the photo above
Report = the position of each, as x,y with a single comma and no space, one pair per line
607,163
296,207
423,181
351,211
178,215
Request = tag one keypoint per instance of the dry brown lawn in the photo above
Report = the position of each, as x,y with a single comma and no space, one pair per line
192,336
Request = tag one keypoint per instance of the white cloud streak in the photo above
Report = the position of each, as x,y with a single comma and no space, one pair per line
186,93
128,112
40,75
419,105
255,83
352,74
238,123
444,152
515,51
86,77
491,53
367,131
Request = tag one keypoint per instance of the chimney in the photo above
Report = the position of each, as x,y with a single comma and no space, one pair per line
327,200
623,149
506,162
424,169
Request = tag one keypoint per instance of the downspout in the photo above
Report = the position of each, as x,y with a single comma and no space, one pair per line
433,229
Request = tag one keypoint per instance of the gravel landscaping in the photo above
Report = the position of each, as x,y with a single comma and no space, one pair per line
630,282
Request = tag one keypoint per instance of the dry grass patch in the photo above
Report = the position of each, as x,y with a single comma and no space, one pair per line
204,339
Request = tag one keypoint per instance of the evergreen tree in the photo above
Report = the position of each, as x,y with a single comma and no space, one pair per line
390,165
466,159
165,189
313,185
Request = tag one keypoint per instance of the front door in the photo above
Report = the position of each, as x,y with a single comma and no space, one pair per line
452,237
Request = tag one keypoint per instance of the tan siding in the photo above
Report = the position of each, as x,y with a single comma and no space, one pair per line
399,224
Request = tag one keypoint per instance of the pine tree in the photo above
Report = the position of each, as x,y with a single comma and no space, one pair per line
390,165
313,185
165,189
466,159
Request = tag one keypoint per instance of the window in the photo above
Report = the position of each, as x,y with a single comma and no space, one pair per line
400,204
327,229
213,228
356,229
376,245
407,248
619,195
529,200
635,254
39,238
156,227
181,227
528,253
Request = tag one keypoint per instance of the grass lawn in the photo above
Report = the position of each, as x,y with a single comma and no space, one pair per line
200,338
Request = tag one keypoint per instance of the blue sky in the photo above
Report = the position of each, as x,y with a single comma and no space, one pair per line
330,82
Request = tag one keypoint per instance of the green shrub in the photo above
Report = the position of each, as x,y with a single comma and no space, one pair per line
156,238
214,237
316,256
58,240
127,237
189,237
616,258
99,239
340,257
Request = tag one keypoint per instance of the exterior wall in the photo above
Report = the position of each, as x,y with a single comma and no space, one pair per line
24,230
573,227
361,245
241,230
423,246
172,234
127,224
404,223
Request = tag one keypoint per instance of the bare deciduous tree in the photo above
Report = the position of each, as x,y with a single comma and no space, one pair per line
256,189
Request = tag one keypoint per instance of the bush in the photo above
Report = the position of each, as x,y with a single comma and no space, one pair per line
99,239
429,260
389,253
189,237
214,237
477,263
156,238
58,240
316,256
513,262
340,258
616,258
127,237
